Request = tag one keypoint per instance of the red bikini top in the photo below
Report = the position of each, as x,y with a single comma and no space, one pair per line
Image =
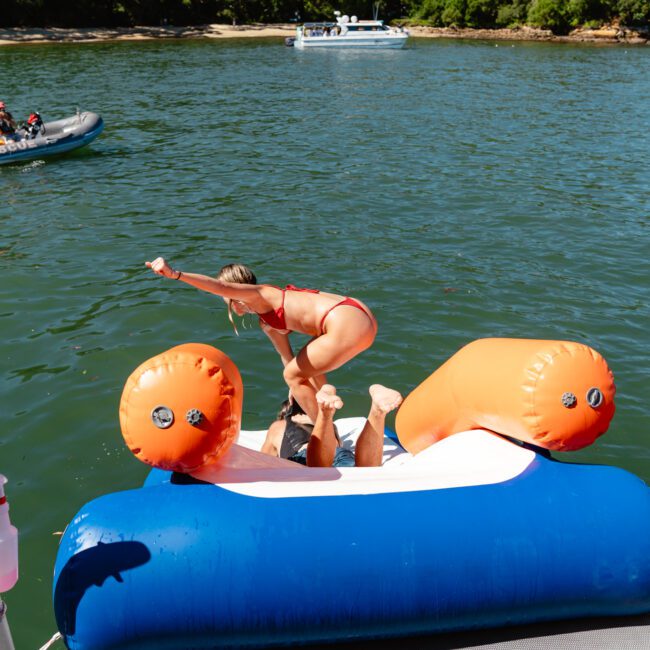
275,318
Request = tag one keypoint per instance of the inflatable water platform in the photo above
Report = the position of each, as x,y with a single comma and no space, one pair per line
52,138
468,524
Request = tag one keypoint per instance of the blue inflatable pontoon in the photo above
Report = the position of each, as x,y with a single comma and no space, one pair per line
473,532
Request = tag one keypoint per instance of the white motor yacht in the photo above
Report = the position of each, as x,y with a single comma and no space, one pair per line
349,32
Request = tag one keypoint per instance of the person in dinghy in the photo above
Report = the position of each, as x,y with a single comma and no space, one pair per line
8,125
341,327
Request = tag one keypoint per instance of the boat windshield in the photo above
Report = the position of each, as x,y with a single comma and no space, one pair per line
366,28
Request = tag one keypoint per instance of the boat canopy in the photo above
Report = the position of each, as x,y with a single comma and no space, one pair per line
312,25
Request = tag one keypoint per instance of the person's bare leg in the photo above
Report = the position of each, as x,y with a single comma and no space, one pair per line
370,445
303,392
349,332
322,443
318,382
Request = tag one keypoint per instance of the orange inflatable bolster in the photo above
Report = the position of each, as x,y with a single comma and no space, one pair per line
182,409
553,394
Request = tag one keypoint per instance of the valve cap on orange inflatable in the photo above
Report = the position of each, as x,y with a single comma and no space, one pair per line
182,409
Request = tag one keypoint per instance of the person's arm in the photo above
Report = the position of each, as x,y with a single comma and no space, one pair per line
249,293
273,441
280,340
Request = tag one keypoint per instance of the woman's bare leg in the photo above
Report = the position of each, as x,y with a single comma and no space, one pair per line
303,392
349,332
370,445
318,382
322,443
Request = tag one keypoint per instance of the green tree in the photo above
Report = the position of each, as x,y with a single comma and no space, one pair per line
480,13
550,14
634,12
512,14
557,15
454,13
431,11
583,11
315,10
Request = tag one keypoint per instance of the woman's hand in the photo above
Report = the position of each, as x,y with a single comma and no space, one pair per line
160,267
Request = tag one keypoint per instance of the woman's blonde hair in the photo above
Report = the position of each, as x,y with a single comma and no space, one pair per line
240,274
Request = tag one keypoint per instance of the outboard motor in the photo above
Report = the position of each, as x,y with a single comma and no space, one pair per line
33,126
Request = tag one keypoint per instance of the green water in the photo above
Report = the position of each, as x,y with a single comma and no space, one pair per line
462,189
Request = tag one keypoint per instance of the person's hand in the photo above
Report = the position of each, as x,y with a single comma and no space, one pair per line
160,267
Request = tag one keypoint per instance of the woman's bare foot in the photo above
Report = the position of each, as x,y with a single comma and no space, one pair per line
384,400
327,399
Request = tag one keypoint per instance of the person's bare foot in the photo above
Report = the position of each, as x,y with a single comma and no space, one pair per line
327,399
384,400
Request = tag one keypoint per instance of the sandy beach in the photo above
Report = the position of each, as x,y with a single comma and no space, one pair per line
95,34
611,34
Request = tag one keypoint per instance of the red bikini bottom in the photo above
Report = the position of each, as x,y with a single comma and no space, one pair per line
347,301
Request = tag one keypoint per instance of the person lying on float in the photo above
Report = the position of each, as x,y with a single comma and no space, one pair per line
294,436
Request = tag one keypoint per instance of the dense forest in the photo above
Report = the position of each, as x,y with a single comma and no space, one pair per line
557,15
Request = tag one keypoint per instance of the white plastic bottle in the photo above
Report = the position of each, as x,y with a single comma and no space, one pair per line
8,544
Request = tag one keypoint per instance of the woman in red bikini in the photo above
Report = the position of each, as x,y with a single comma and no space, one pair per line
340,327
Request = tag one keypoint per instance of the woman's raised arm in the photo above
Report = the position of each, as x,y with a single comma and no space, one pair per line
249,293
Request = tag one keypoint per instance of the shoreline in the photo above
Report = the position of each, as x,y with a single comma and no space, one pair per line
32,35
